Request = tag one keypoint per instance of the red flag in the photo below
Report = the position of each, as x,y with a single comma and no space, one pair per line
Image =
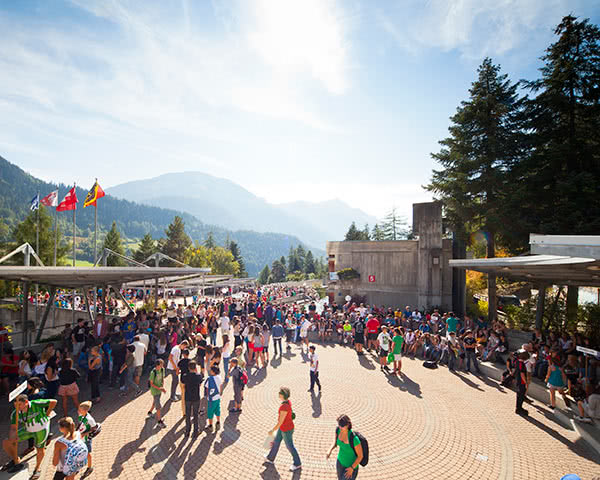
50,200
69,202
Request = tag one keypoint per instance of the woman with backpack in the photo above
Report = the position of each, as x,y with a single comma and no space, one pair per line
70,452
349,454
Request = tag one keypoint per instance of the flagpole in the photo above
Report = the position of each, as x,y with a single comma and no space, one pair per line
55,227
37,251
74,189
95,253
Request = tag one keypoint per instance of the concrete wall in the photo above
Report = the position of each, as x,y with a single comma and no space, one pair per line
407,272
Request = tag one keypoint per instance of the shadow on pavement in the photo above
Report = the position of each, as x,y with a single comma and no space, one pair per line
405,384
316,404
365,362
258,377
230,433
135,446
467,381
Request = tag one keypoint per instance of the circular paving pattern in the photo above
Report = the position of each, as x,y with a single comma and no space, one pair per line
427,424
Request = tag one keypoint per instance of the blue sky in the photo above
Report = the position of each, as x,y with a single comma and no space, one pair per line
310,99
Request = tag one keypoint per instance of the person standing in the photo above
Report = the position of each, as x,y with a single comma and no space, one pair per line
192,381
383,341
236,373
78,337
95,367
214,390
470,344
452,351
68,377
372,329
304,328
314,369
285,430
70,453
350,451
173,369
277,333
86,424
359,335
556,381
183,368
397,342
138,362
157,382
521,379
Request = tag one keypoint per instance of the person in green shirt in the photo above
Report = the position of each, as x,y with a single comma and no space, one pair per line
34,422
451,324
397,342
157,386
349,456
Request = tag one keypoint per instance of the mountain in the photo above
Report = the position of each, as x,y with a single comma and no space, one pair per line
134,220
334,216
219,201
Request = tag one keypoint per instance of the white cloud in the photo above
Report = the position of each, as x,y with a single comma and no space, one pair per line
474,27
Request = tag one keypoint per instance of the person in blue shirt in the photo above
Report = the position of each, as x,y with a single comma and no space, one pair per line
129,327
277,334
424,327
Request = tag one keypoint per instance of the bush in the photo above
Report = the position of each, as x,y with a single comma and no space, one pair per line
11,306
348,274
476,308
520,318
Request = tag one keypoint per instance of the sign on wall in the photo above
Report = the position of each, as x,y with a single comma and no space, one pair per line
371,278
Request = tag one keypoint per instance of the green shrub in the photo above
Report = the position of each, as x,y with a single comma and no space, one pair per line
348,274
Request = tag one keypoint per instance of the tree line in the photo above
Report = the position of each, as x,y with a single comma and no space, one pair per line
299,265
392,227
523,156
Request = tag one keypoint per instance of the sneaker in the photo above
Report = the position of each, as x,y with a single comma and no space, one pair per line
267,459
150,414
218,425
293,468
551,407
583,419
35,475
161,424
522,412
138,393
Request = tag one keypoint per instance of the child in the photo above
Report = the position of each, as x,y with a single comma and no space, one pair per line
556,380
213,394
183,369
86,424
236,373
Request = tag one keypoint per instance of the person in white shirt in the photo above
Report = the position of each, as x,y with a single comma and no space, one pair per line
225,325
173,369
138,360
590,408
314,369
383,341
304,327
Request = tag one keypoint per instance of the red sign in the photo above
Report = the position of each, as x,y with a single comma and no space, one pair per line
372,278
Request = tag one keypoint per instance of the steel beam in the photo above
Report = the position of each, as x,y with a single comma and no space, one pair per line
49,306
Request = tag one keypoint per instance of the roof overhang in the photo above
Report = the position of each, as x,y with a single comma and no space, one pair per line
545,269
587,246
76,277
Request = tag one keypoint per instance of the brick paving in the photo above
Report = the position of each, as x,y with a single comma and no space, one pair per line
429,424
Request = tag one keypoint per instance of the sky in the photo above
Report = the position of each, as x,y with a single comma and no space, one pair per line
294,100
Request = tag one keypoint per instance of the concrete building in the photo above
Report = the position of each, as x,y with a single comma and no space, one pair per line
397,273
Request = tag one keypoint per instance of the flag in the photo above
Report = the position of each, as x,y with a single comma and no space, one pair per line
35,203
50,200
94,194
69,202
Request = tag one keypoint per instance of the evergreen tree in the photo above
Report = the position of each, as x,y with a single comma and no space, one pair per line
301,254
237,256
25,232
277,272
210,241
484,143
147,247
353,233
377,233
177,241
556,187
113,242
293,264
263,276
393,226
309,263
366,233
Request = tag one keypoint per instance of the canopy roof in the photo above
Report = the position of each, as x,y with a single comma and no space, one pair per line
75,277
547,269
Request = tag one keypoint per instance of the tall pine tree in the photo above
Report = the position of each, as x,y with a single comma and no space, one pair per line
147,247
177,241
263,276
484,143
237,256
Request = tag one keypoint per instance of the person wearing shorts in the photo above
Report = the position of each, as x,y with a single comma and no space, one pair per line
34,423
213,394
372,329
235,372
359,336
397,342
86,424
157,387
383,342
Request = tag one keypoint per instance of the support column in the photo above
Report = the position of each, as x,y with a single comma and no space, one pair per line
25,314
49,306
541,305
104,300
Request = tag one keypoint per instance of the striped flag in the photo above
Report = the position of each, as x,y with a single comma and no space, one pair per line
35,203
50,200
69,202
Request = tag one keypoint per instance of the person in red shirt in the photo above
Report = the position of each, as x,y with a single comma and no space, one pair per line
372,331
285,431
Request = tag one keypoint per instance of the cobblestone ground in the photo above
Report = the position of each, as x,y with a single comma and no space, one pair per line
429,424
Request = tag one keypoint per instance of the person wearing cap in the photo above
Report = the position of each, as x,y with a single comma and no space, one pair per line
521,379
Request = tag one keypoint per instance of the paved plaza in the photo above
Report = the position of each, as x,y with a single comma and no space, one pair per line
429,424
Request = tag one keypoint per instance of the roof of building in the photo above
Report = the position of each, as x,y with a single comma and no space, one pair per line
75,277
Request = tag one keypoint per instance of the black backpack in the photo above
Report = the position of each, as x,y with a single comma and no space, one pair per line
363,443
359,327
429,364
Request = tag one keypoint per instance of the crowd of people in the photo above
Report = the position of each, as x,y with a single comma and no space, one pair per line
213,343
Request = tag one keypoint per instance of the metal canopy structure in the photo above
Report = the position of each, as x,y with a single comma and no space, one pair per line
69,277
183,281
562,260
